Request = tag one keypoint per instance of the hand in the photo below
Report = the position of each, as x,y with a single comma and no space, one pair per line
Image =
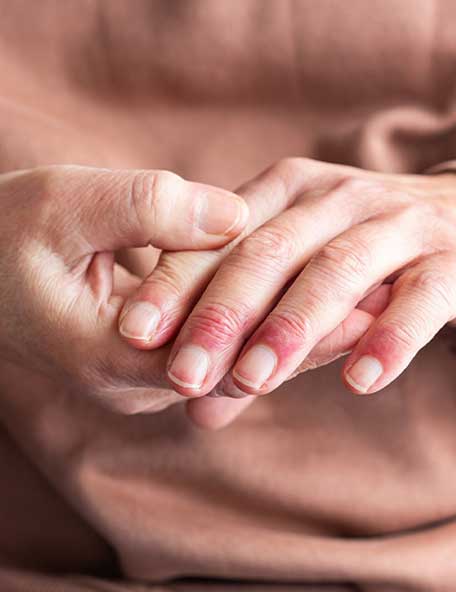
153,314
299,277
61,291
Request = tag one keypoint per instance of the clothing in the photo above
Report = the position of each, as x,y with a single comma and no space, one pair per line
311,484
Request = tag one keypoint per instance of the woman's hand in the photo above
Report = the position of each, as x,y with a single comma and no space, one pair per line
297,280
61,291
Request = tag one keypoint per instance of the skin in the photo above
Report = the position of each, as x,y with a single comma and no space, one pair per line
356,285
47,116
355,261
61,290
63,294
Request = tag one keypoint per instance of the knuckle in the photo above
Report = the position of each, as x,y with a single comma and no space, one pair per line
268,246
292,323
434,290
180,276
220,323
286,170
345,258
152,192
400,333
167,279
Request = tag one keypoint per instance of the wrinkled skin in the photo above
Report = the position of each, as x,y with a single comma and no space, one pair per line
349,248
47,117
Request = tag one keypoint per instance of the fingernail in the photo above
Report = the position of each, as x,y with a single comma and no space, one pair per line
364,373
139,321
189,367
227,388
256,366
221,213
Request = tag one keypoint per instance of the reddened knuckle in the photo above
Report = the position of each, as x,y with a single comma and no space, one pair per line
292,323
221,323
401,333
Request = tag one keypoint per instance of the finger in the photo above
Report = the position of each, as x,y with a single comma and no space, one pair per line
323,295
157,309
338,343
376,301
423,301
132,208
248,284
216,413
345,336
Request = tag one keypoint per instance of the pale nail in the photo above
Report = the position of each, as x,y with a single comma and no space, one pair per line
189,367
221,213
364,373
256,366
140,321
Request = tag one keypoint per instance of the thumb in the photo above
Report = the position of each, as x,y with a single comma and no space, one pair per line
111,209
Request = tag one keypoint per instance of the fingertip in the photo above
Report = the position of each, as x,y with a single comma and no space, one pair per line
362,374
221,214
254,368
242,218
188,368
138,323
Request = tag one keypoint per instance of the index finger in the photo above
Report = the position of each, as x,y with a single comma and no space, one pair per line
152,315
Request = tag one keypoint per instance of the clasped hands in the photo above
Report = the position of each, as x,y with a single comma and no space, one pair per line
307,262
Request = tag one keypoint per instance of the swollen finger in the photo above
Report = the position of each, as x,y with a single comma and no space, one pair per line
423,301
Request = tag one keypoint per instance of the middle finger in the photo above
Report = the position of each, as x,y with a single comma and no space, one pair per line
248,284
